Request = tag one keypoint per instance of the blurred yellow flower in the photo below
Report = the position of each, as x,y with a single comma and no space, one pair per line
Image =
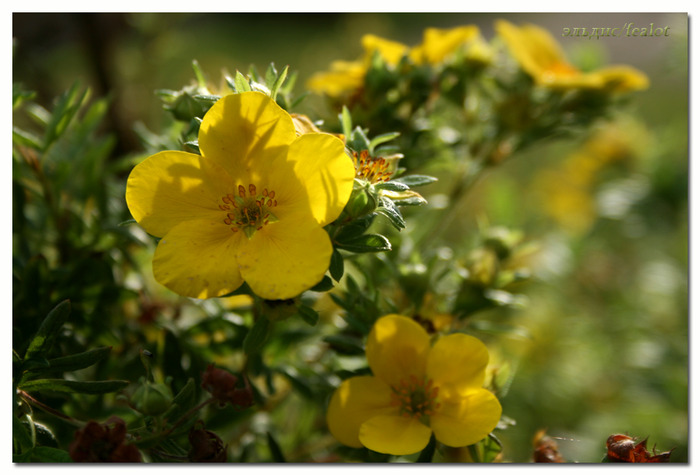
251,208
540,56
438,45
416,390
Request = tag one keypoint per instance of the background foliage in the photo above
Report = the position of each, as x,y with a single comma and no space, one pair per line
600,347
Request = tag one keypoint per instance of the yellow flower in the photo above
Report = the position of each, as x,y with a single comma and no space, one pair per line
251,208
540,56
415,390
344,76
438,44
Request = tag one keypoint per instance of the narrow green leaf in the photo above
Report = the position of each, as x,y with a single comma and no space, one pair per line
199,74
380,139
337,267
325,285
415,180
308,314
275,451
48,330
75,362
241,83
345,344
278,83
27,139
366,243
257,335
355,228
62,115
392,186
65,386
389,210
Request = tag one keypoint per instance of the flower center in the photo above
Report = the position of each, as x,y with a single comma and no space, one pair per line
248,211
372,169
415,398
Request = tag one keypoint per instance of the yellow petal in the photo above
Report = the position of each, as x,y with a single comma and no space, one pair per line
534,48
466,421
285,258
390,51
397,347
356,400
324,170
170,187
197,259
457,364
244,132
394,434
623,78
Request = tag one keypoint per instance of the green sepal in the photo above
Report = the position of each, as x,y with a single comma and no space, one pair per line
240,83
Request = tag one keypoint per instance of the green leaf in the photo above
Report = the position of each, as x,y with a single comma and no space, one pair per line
380,139
308,314
392,186
74,362
199,74
27,139
62,115
355,228
389,210
345,344
43,455
48,330
256,337
325,285
366,243
65,386
241,83
275,451
337,267
415,180
278,83
182,401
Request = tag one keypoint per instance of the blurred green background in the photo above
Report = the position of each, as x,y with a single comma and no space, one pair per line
608,311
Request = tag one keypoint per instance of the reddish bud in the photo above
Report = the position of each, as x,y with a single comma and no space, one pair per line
206,446
103,443
222,385
622,448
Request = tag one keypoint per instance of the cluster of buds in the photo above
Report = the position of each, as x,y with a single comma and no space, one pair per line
222,386
103,443
625,449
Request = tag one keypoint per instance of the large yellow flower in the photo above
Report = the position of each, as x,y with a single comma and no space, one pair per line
540,56
251,208
438,44
416,390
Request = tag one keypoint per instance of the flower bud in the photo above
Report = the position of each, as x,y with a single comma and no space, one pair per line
103,443
361,203
206,446
152,399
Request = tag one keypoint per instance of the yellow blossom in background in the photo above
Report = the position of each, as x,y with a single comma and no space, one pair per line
416,390
540,56
438,43
437,46
250,209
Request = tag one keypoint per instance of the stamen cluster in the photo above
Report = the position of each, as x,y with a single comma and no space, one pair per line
415,398
249,211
